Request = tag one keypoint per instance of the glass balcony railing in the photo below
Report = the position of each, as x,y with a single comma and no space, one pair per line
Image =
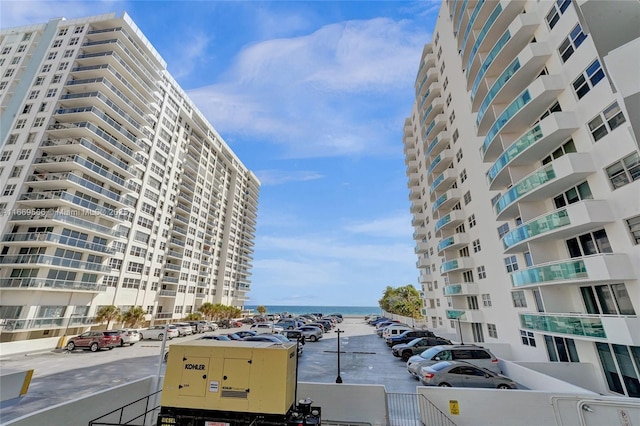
434,163
455,314
432,145
58,238
70,217
538,226
426,114
521,144
495,88
518,103
566,270
526,185
442,222
452,289
446,243
460,16
51,284
35,323
449,265
54,261
573,325
491,56
483,33
472,20
441,199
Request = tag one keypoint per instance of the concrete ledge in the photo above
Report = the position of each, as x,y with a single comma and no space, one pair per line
28,346
14,384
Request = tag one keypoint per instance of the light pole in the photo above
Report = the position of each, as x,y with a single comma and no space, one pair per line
460,328
339,379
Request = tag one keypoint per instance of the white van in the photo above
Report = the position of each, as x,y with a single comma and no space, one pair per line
394,330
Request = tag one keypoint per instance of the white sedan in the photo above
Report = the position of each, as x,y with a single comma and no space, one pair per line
158,331
266,328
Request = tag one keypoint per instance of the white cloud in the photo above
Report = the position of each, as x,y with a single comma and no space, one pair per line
16,13
279,177
398,225
191,50
344,89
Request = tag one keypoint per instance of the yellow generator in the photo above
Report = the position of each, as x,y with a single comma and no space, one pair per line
229,383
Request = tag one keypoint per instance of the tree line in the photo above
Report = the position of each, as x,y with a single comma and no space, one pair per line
403,301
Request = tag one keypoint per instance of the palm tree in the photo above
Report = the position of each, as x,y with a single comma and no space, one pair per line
261,309
133,316
108,314
207,309
193,316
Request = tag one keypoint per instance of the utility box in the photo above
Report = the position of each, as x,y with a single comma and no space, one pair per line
243,377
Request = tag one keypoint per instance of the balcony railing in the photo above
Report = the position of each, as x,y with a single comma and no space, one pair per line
67,216
584,325
9,325
45,283
547,223
53,261
59,239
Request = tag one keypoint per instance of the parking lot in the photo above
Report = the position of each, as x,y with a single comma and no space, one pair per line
60,376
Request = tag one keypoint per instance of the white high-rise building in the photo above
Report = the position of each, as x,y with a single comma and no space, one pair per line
114,188
524,176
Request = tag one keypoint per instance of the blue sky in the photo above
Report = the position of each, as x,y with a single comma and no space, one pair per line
312,96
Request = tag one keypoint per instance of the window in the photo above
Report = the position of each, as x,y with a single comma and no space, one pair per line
472,221
46,68
38,122
51,93
73,41
493,332
56,79
43,107
528,338
3,84
511,263
24,154
9,72
34,94
463,175
78,30
52,56
481,273
476,246
486,300
5,155
634,229
6,51
467,197
571,43
27,108
566,148
519,301
607,299
68,53
455,136
445,84
573,195
621,373
452,117
589,78
115,263
502,230
62,32
57,43
20,123
63,66
459,155
135,267
9,189
558,9
624,171
561,349
606,121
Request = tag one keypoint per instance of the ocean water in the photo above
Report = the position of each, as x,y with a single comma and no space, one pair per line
351,311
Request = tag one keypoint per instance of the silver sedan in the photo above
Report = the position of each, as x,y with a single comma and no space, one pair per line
310,333
463,374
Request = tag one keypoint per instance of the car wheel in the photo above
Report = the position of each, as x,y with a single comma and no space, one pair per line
406,356
444,385
503,386
166,357
160,336
121,343
71,346
94,347
313,338
141,336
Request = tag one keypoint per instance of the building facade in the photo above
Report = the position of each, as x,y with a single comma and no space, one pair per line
115,189
523,169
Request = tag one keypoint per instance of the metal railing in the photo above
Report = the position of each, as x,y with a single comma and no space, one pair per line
402,409
117,416
431,415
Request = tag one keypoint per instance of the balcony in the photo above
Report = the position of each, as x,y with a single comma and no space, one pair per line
422,247
454,218
442,183
167,293
478,16
537,142
546,182
420,233
582,325
414,193
439,122
55,239
438,144
570,220
446,201
412,167
441,162
465,315
457,265
41,259
521,112
68,217
172,280
594,269
511,42
50,284
461,289
423,262
453,242
11,325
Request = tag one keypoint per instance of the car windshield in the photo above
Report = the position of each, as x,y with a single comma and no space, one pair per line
414,342
111,333
430,353
440,366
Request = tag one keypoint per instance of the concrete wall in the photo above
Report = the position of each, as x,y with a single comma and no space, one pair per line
14,384
557,376
24,346
344,403
81,411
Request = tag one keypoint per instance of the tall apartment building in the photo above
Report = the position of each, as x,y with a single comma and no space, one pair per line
115,189
524,175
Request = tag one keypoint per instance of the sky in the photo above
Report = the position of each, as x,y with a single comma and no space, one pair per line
312,97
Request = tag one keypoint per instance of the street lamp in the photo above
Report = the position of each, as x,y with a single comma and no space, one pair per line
339,379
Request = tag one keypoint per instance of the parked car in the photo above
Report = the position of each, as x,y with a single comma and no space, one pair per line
184,328
157,332
198,326
476,355
416,346
226,323
266,328
234,336
380,331
289,324
95,340
248,320
285,339
129,337
310,332
245,333
215,337
319,325
464,375
263,338
408,336
394,330
294,336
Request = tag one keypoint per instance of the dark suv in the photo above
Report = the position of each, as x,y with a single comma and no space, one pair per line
408,336
416,346
94,340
